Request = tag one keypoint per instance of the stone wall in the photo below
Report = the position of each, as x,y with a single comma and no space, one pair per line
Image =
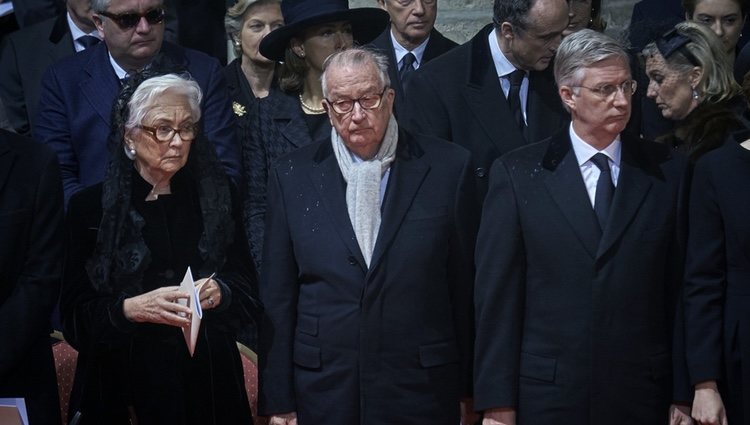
461,19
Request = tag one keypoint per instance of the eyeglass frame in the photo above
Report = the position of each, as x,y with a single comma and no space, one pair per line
619,87
357,102
118,18
152,132
410,2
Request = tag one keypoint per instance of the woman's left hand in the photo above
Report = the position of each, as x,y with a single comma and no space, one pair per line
209,293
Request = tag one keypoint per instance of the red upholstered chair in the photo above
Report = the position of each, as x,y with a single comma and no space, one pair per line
65,366
250,367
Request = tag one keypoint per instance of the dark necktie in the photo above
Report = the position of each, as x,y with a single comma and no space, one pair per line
605,189
88,41
407,69
514,97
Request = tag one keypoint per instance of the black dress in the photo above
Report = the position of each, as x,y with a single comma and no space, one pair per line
144,370
717,284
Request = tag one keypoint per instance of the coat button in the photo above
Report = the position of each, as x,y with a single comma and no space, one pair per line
352,261
480,172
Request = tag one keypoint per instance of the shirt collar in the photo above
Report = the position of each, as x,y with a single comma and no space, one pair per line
503,66
76,32
121,73
584,151
401,51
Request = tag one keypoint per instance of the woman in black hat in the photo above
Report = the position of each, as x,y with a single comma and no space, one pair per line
292,115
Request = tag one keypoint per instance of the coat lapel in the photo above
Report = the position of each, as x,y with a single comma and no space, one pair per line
485,97
101,86
327,180
566,187
287,116
407,175
632,187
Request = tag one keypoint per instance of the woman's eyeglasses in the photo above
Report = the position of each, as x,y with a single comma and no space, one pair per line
127,21
165,133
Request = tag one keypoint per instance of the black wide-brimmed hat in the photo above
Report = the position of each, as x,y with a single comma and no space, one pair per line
367,23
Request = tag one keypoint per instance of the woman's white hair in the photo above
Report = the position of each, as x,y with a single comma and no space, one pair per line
148,91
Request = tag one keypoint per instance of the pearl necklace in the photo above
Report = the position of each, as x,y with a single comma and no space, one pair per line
309,109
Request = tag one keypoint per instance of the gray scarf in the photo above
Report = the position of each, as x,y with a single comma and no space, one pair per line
363,186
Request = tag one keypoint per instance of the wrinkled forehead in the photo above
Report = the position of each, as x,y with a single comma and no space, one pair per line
348,80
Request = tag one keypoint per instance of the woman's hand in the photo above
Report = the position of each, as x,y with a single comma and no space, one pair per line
158,306
708,409
209,293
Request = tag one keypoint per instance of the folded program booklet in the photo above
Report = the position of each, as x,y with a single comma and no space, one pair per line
191,332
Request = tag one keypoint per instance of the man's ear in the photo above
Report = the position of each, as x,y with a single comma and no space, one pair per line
381,4
566,95
507,31
99,24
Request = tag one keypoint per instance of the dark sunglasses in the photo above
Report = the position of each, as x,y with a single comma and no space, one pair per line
130,20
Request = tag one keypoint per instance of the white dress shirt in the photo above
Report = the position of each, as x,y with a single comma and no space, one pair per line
589,170
77,33
401,51
503,67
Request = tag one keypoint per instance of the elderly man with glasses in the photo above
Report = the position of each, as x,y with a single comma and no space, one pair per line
77,93
579,262
368,267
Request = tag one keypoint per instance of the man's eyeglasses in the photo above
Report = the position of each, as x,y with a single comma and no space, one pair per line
130,20
165,133
370,101
608,91
407,3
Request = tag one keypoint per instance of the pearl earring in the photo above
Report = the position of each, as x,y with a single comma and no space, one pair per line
695,94
129,152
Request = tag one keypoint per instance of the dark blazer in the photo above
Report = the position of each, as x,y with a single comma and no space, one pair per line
717,278
436,46
76,104
574,324
26,55
280,128
238,87
344,344
31,251
458,97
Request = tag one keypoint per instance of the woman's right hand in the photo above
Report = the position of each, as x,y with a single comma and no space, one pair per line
158,306
708,409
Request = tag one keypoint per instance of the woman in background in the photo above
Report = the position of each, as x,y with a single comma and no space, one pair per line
690,78
584,14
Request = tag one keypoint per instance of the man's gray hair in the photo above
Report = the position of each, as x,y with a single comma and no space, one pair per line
356,57
148,91
581,50
100,5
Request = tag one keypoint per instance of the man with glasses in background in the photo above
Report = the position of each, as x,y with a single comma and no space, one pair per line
78,92
410,41
579,262
367,266
495,92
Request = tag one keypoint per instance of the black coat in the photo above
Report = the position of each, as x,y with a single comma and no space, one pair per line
31,251
148,366
345,344
436,46
575,324
458,97
27,53
280,128
717,281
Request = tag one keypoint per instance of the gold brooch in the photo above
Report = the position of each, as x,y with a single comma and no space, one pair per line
238,109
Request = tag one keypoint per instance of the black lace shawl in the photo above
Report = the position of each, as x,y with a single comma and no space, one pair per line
121,255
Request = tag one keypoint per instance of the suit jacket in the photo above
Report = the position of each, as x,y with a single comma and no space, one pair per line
344,344
31,250
458,97
436,46
575,324
26,55
76,104
279,128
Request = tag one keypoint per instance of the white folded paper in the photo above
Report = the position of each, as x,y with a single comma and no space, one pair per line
191,332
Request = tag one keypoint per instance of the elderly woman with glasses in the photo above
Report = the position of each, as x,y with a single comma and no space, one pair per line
164,208
691,81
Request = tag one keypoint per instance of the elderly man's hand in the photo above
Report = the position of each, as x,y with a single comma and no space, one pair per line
158,306
284,419
209,293
680,415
